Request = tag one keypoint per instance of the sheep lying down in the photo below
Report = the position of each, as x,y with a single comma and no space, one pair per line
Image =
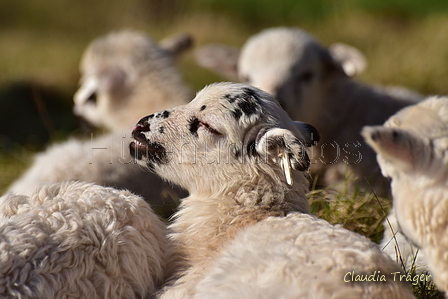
245,230
79,240
125,76
312,84
412,149
103,160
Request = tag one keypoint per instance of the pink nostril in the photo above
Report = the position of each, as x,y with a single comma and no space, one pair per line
142,127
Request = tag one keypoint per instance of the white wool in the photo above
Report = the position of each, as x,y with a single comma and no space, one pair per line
245,196
103,160
412,150
80,240
300,256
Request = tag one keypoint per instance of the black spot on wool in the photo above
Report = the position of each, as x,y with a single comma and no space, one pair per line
230,98
248,107
161,130
237,113
247,92
165,114
203,108
194,125
248,102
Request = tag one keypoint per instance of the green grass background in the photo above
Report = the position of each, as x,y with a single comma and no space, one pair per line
41,42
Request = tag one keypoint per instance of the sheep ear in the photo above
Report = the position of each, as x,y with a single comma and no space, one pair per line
283,147
219,58
351,59
176,44
310,133
394,145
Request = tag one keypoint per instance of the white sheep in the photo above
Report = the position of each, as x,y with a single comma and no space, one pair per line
125,75
79,240
103,160
244,163
412,149
223,59
311,85
301,256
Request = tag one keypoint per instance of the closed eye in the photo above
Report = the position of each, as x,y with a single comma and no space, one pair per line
210,129
195,123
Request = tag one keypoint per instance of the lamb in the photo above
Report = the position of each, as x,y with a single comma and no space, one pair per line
102,160
311,85
224,59
287,261
126,74
244,164
80,240
412,151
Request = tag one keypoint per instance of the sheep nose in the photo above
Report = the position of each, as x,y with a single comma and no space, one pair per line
142,125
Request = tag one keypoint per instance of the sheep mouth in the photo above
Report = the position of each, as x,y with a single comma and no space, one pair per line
143,149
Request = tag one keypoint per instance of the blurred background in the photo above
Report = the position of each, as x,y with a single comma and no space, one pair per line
41,42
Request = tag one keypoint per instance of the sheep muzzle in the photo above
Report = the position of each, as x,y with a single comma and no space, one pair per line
144,149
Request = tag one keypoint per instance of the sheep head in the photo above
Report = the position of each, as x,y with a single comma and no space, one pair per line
287,63
412,149
113,70
413,142
228,133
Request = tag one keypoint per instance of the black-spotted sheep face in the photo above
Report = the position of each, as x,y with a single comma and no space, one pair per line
215,134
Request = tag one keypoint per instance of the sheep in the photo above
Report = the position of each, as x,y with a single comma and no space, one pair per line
103,160
224,59
412,151
126,74
311,85
80,240
244,164
286,260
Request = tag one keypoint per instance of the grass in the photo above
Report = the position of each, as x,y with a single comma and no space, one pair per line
41,41
12,165
359,211
363,212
